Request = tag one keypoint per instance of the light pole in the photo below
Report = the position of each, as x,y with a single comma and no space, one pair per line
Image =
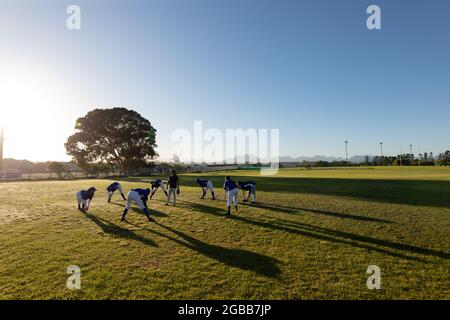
346,150
410,148
381,146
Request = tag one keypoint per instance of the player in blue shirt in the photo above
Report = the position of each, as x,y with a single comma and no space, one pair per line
112,188
231,187
206,185
140,197
84,198
249,186
157,184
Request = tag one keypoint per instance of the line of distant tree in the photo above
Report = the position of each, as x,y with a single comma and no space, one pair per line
62,169
408,159
424,159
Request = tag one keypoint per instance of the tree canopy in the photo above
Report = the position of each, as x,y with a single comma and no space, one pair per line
117,137
56,167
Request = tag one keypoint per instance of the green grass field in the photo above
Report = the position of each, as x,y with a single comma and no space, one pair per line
312,235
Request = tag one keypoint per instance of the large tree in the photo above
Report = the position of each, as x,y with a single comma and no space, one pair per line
117,137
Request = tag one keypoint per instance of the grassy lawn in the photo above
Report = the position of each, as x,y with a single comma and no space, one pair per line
312,235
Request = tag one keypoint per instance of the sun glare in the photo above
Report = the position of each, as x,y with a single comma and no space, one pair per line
29,102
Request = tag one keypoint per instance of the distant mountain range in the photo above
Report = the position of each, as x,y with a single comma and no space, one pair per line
29,166
353,159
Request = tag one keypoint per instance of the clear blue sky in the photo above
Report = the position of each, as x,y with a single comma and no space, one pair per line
310,68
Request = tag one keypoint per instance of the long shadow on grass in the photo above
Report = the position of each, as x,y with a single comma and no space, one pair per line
380,242
325,234
153,212
411,192
292,210
296,211
239,258
111,228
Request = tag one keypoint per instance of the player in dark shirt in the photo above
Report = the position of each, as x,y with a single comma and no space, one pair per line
174,187
112,188
157,184
249,186
206,185
84,198
231,188
140,197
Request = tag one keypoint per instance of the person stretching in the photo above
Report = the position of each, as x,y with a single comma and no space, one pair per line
84,198
139,197
157,184
249,186
112,188
233,192
206,186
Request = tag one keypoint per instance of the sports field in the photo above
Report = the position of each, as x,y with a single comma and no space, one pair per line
312,235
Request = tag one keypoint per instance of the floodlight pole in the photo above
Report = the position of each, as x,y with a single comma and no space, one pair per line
346,151
381,146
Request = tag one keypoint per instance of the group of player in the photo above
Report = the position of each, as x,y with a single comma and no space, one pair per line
141,196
